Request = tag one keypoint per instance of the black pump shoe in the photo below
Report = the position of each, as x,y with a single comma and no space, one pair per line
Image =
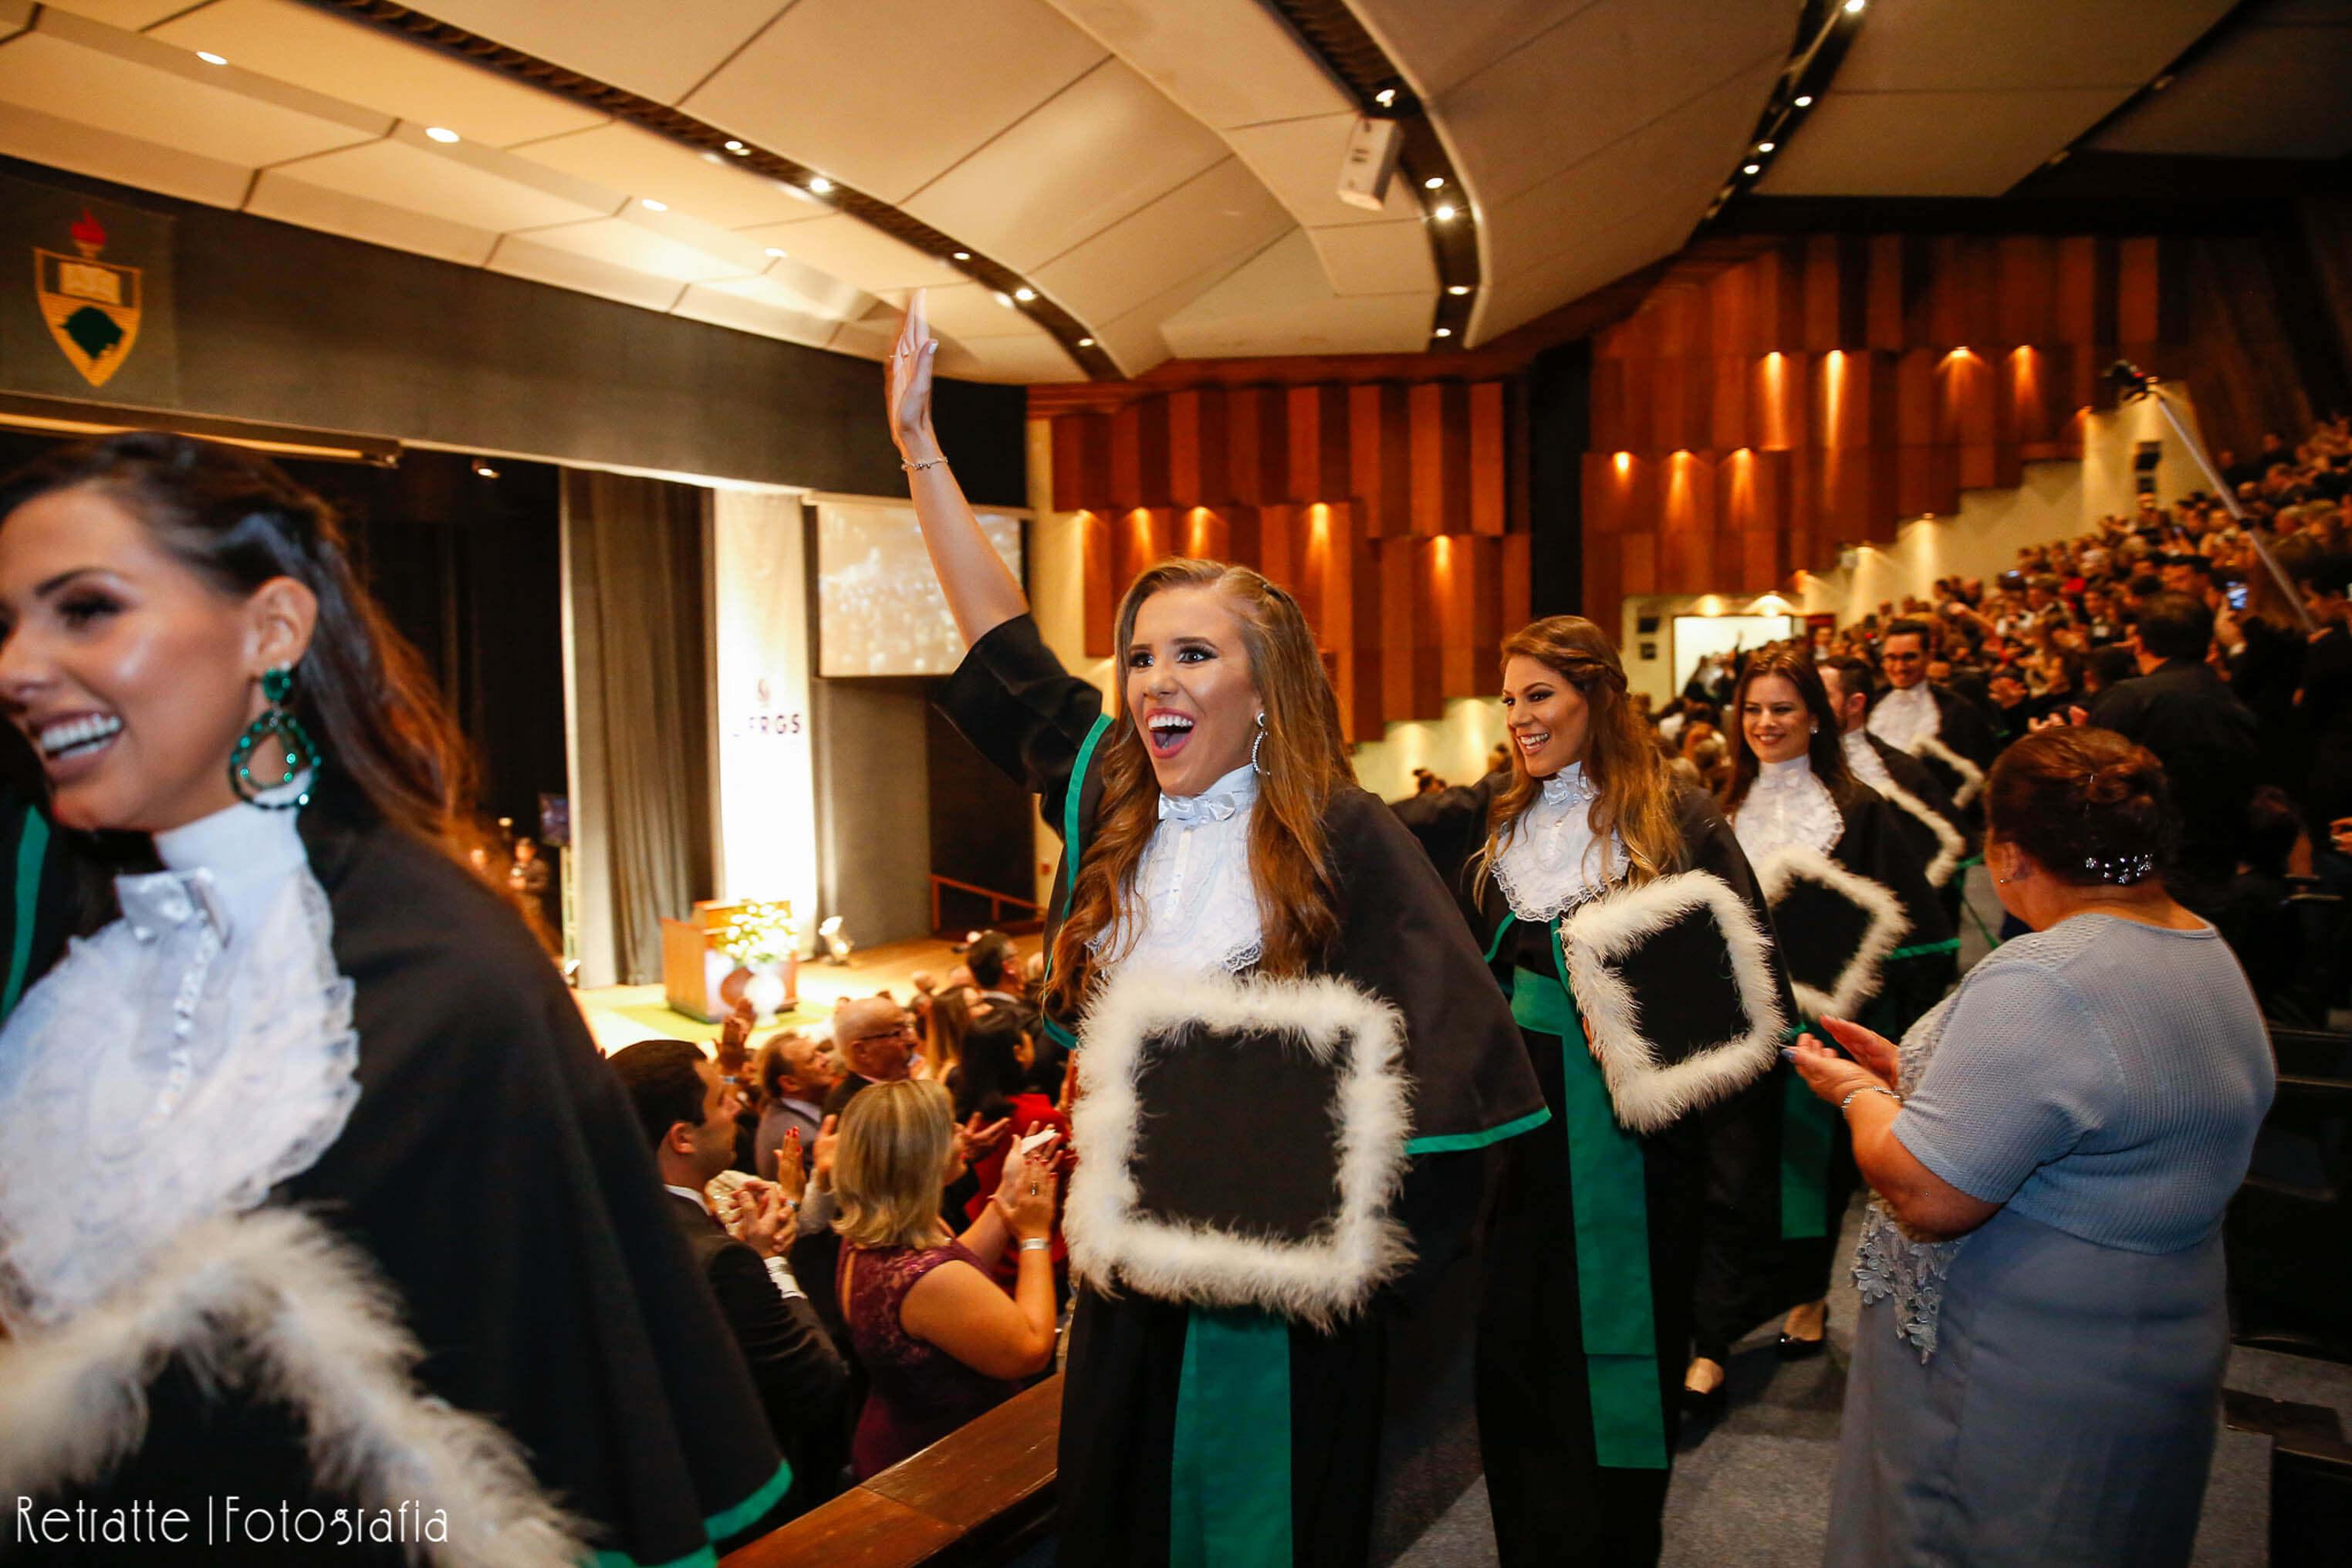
1708,1405
1788,1347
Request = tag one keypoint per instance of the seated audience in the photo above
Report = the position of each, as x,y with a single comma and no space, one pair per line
794,1075
687,1113
992,1084
2040,1353
940,1342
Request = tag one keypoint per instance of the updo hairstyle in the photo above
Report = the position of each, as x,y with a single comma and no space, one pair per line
2087,805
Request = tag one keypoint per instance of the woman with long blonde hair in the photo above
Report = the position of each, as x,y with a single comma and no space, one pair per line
1292,1060
1621,919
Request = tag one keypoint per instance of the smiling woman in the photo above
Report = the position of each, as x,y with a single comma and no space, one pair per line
244,1127
1293,1063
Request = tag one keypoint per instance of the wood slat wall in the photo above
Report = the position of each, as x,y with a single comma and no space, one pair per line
1747,420
1383,506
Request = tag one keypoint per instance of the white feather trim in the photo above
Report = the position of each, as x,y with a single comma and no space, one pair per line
1949,845
1648,1093
1858,982
1971,777
273,1303
1324,1278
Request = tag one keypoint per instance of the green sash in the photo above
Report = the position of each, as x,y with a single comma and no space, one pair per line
1229,1476
1610,1208
1071,851
32,849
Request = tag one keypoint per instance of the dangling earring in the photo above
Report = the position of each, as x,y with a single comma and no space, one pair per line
1257,744
302,755
1816,728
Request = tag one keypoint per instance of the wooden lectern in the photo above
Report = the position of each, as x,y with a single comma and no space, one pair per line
701,980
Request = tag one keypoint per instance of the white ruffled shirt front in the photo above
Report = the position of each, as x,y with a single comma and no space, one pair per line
1906,716
174,1068
1195,907
1868,765
1550,860
1787,805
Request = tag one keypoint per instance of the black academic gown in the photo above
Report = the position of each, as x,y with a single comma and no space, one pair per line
495,1177
1782,1168
1365,1397
1964,730
1579,1445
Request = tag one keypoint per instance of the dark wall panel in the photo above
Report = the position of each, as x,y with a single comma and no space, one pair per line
286,326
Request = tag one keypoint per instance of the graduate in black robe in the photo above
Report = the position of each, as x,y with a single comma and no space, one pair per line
314,1192
1864,936
1586,1322
1283,1133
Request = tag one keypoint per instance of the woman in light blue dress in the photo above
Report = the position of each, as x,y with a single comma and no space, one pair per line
2038,1359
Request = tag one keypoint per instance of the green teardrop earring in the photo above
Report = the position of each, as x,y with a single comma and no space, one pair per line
277,728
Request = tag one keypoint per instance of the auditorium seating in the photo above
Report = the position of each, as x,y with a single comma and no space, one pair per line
2290,1226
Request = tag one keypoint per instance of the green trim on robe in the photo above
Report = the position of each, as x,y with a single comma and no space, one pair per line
1071,852
1808,1138
1610,1199
32,851
1452,1142
719,1526
1229,1475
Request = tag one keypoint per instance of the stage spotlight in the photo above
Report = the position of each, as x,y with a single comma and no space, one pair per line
836,946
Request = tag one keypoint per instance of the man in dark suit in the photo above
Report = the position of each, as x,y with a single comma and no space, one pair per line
687,1110
2182,710
1944,730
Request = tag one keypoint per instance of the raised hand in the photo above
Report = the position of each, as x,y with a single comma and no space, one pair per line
907,386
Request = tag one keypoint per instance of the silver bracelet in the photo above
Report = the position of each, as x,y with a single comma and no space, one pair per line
929,463
1869,1089
1037,1244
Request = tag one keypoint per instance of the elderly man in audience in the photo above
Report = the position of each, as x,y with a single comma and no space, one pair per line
874,1036
687,1111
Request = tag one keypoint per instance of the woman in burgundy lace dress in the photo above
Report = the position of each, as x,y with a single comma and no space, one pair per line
940,1341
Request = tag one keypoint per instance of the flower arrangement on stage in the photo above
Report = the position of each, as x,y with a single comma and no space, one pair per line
762,937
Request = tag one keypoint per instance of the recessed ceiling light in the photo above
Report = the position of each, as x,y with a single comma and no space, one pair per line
1804,101
1751,168
734,146
1444,331
1444,210
1003,299
819,184
1024,294
441,134
1765,146
1385,97
1458,289
210,58
774,252
2160,83
1435,182
652,206
1854,7
963,256
1085,342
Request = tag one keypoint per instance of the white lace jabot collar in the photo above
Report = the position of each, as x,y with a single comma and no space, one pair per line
1551,862
172,1068
1787,805
1237,791
1194,905
1906,716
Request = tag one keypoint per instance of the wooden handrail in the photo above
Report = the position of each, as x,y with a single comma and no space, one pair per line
996,901
968,1498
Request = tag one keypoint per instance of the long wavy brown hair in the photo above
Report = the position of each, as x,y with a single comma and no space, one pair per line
1794,664
1633,796
1303,761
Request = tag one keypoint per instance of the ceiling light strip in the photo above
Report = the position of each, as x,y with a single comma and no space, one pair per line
1077,338
1825,32
1329,31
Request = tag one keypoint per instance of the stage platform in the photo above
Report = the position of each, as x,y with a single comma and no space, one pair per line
621,1015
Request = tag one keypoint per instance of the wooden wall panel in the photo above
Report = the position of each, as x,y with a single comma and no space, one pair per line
1490,487
1081,462
1197,444
1381,457
1440,458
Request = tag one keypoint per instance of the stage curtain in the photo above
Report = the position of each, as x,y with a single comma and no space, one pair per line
636,580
